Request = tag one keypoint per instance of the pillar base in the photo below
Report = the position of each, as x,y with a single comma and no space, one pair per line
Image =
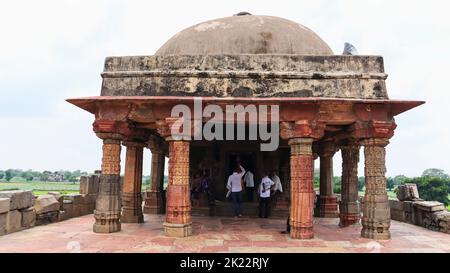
349,213
349,220
106,222
375,235
301,233
153,202
177,230
327,206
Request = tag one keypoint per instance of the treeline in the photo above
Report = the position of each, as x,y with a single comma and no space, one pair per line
433,184
30,175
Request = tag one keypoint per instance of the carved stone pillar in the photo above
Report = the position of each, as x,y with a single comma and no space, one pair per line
327,205
302,188
107,209
178,204
376,213
132,184
349,212
153,195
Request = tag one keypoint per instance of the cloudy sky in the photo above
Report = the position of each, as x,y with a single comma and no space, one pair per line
53,50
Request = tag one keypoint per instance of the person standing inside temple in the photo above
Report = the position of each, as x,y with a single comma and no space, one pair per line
249,185
264,196
234,185
278,187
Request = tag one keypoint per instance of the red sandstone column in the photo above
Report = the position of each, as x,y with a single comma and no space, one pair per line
302,188
153,195
376,214
178,204
132,184
327,201
107,209
349,212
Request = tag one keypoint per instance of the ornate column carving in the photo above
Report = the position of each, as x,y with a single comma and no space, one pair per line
302,188
349,211
131,196
153,195
327,205
178,203
376,213
107,208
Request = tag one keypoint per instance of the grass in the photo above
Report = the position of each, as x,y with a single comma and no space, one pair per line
42,187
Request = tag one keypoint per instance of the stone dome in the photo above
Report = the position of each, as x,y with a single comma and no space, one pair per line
246,34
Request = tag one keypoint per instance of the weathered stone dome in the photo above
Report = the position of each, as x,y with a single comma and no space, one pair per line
246,34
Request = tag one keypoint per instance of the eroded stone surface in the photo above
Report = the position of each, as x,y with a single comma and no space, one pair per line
46,203
19,199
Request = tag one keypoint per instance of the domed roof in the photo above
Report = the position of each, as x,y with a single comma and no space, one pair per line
246,34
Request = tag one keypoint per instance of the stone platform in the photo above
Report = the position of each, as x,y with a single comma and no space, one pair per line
218,234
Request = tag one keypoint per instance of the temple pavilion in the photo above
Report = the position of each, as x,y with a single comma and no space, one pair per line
325,103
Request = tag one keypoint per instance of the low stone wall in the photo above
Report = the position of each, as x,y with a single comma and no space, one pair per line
20,209
429,214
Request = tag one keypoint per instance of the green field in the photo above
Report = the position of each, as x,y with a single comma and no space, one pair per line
40,187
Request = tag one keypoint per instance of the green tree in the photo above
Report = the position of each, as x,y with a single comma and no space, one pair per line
361,183
433,172
390,183
9,174
400,179
2,174
337,184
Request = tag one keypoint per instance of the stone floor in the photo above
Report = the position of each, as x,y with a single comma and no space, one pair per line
218,234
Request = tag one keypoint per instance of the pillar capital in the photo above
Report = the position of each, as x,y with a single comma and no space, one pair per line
302,129
378,142
373,129
301,146
327,149
169,128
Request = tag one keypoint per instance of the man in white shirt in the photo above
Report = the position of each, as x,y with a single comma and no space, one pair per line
234,185
278,187
264,196
249,185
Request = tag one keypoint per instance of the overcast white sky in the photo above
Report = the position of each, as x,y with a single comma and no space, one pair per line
53,50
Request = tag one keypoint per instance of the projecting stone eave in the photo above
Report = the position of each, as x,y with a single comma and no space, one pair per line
369,107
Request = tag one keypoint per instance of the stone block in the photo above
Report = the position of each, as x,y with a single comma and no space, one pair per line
75,198
76,210
13,221
429,206
47,218
62,216
28,217
58,197
398,215
396,204
18,199
89,184
4,205
46,203
407,192
68,208
3,217
408,206
85,209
